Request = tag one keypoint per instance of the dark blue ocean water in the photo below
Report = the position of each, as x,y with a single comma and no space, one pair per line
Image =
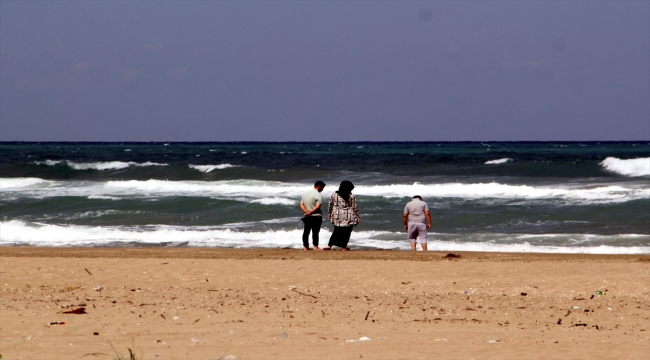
540,197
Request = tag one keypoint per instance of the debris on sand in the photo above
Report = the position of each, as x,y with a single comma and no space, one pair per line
80,310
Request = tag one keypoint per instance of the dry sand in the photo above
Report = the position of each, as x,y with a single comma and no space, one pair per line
289,304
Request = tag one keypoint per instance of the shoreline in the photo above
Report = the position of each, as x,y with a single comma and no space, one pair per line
297,254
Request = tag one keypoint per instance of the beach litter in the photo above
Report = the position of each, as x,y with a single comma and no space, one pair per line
283,335
56,323
600,292
197,341
363,338
78,311
72,305
494,341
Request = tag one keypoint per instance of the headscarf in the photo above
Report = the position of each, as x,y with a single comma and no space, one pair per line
345,189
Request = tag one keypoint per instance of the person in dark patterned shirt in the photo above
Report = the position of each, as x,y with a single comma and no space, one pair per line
343,212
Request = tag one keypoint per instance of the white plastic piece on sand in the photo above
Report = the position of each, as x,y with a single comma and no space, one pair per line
291,287
364,338
494,341
175,318
197,341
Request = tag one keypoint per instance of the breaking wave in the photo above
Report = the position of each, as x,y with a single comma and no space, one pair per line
101,165
17,232
498,161
208,168
279,193
630,167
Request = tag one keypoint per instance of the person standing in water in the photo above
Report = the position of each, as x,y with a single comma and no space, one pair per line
310,204
417,221
343,212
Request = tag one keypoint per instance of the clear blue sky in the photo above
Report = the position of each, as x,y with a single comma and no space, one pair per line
324,70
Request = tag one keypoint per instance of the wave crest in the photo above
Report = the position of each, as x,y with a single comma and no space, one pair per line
208,168
498,161
8,183
271,191
274,200
100,165
629,167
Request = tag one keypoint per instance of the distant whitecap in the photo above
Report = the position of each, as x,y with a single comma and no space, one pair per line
498,161
208,168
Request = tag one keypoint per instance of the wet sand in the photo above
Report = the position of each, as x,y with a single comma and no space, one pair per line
185,303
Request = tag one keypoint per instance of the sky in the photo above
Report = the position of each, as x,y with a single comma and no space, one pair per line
324,70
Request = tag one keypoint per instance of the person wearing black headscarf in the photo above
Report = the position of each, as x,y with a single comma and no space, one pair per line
343,212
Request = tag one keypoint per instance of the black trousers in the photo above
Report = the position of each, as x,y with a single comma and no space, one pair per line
341,236
312,224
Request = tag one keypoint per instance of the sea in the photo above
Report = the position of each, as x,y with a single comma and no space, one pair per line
541,197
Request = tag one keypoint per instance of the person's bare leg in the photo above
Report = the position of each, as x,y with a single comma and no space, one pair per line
413,246
424,247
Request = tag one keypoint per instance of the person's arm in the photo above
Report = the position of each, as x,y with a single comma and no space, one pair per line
313,210
428,214
330,207
304,209
405,218
356,208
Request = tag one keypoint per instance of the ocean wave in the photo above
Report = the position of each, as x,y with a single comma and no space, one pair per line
208,168
248,190
274,200
498,161
16,232
493,190
13,183
100,165
629,167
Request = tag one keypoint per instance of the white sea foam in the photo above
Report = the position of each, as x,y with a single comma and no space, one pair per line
103,197
208,168
17,232
101,165
48,162
274,200
17,183
629,167
498,161
248,190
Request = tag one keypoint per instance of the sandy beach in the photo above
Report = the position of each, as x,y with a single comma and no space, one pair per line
189,303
